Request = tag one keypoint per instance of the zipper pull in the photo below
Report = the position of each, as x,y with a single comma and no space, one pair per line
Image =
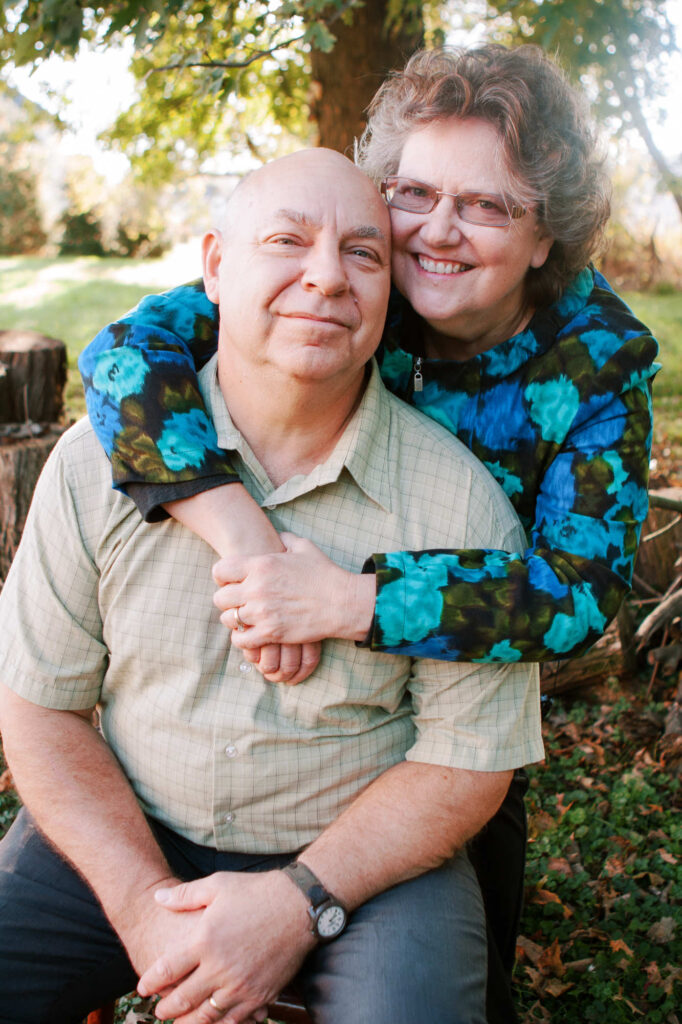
418,378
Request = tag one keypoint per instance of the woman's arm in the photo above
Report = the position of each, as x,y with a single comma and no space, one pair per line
553,601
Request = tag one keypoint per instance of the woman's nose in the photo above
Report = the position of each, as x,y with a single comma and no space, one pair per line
443,226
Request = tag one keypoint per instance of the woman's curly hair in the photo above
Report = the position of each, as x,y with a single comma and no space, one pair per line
548,157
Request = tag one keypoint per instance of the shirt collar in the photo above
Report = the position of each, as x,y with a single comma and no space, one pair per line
362,449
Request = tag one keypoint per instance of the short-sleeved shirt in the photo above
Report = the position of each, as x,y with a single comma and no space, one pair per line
101,607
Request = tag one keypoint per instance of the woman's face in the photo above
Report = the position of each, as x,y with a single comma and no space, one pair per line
466,280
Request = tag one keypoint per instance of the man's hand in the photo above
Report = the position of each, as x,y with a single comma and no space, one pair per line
249,940
300,596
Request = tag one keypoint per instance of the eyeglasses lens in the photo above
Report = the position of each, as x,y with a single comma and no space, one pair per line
475,207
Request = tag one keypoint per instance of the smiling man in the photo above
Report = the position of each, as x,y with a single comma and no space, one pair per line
223,833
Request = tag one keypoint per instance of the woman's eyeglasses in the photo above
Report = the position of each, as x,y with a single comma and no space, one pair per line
484,208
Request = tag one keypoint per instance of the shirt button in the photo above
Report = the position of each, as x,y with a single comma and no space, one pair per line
245,667
229,818
271,508
231,750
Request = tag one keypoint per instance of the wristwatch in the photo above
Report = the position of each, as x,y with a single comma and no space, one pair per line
327,914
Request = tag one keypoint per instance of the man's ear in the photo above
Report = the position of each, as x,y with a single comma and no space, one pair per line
211,255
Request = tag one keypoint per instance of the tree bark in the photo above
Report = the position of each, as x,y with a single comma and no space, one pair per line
340,92
661,543
20,464
32,387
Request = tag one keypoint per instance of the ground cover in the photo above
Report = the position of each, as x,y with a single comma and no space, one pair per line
602,927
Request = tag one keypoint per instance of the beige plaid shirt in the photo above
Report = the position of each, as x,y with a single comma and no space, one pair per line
101,607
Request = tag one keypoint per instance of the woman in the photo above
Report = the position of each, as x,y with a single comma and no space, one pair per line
500,329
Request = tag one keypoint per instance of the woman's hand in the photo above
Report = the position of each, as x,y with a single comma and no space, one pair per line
230,521
298,597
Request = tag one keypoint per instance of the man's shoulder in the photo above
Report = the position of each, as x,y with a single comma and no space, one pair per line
79,464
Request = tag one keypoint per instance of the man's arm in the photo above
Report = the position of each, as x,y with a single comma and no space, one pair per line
408,821
96,821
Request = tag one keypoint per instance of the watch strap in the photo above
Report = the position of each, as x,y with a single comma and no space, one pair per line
308,883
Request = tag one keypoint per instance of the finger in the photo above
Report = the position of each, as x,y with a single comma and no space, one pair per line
186,896
289,664
269,663
310,659
231,595
165,973
242,638
190,1003
228,570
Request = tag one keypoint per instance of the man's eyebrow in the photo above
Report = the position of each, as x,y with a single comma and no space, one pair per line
305,220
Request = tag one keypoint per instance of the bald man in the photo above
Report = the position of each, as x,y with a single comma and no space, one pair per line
219,833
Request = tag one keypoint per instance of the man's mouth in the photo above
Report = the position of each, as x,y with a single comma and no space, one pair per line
441,266
317,318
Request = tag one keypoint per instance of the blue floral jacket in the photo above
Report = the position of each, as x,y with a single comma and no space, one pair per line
560,414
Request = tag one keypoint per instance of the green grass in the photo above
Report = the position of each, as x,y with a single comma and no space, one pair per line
71,298
663,314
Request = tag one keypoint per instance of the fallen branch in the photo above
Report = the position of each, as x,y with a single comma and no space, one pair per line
662,614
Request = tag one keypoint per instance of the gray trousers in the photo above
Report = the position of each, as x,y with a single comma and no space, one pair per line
415,954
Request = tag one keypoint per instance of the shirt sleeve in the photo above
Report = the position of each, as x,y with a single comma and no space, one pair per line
144,401
52,650
556,599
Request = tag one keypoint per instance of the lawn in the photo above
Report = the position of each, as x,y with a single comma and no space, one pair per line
602,929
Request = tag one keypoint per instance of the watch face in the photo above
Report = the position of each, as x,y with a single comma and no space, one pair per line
331,921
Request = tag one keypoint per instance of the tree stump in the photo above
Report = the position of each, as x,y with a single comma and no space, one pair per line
661,543
32,386
32,379
21,461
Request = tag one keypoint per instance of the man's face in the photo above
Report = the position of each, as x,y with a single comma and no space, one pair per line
302,271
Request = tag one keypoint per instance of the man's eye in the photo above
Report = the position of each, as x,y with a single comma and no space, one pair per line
364,253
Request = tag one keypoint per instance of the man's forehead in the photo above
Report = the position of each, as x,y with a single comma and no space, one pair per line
315,219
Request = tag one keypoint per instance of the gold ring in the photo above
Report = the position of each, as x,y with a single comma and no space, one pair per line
238,624
215,1005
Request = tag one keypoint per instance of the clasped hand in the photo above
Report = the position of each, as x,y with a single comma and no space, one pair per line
298,597
247,941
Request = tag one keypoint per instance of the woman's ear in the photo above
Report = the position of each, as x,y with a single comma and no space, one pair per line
211,255
543,244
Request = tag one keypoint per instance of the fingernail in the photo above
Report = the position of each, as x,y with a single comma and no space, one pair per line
162,895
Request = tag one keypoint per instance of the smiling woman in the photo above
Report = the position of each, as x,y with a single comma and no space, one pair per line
500,329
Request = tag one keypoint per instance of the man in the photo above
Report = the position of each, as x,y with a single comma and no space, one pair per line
377,770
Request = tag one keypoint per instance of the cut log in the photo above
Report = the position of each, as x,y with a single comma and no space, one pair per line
660,548
20,465
32,386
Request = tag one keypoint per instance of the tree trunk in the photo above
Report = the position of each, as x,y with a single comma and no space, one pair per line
32,378
340,93
32,386
661,543
20,464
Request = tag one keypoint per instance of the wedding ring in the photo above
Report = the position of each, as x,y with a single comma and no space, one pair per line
238,624
211,999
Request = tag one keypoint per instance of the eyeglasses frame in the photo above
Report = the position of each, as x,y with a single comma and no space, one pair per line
514,212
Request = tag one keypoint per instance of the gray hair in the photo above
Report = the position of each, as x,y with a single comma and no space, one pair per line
548,154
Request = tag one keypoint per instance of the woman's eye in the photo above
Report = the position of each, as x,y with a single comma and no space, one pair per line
416,191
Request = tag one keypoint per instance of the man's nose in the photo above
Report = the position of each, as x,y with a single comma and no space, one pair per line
324,270
443,226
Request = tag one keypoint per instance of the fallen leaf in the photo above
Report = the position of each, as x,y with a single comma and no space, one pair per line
665,855
550,961
663,931
529,949
618,946
6,781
